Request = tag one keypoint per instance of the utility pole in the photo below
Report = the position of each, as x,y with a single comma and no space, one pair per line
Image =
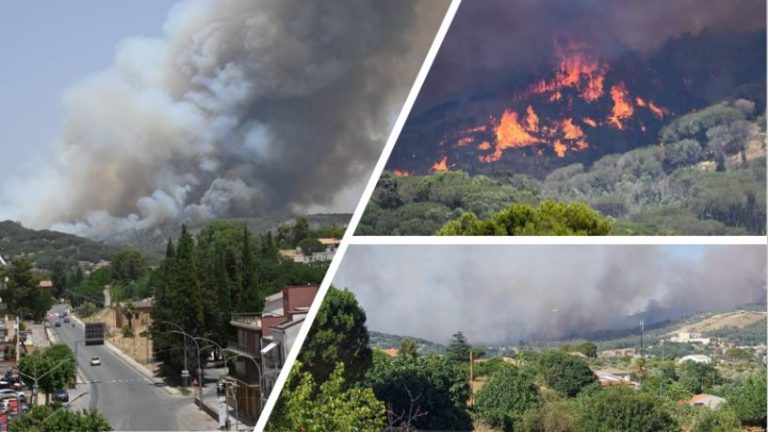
642,331
471,378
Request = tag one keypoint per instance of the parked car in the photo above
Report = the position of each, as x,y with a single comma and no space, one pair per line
58,324
66,320
61,395
95,361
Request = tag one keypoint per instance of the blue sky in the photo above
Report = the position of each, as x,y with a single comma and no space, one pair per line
47,46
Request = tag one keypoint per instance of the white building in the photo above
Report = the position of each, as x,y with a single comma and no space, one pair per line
693,338
698,358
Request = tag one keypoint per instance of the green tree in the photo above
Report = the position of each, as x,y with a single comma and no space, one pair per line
59,278
565,373
423,393
509,392
458,348
250,299
748,400
408,348
128,265
51,419
720,420
54,367
696,377
624,409
310,245
334,406
23,295
550,218
299,231
338,335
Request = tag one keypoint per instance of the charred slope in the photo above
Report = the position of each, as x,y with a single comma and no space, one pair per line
583,108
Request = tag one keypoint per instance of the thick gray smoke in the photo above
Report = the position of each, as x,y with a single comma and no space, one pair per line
500,294
490,40
242,107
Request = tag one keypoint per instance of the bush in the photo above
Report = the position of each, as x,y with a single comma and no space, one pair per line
624,409
503,400
565,373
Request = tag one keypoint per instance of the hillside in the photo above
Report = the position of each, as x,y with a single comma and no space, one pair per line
733,320
152,241
45,247
706,176
385,341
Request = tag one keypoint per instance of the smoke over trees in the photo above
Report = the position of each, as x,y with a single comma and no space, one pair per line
502,294
241,108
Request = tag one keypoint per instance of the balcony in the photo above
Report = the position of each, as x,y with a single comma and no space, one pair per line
244,350
251,321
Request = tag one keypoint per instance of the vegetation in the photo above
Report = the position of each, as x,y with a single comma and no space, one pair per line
331,407
338,335
23,295
203,280
45,247
531,389
550,218
51,419
706,176
54,368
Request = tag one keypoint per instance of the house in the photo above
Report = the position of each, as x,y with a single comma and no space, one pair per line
263,342
698,358
142,311
330,245
692,338
707,400
392,352
619,352
46,283
616,377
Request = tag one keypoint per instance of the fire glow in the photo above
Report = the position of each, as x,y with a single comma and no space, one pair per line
555,115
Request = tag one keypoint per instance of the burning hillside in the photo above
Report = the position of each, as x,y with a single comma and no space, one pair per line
579,103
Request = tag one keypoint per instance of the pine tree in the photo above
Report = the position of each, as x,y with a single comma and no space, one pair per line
250,299
458,349
161,339
221,331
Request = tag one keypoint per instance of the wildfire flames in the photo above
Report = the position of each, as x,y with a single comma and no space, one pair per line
542,115
441,165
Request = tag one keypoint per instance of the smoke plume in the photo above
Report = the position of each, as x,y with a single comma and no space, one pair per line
492,40
242,107
502,294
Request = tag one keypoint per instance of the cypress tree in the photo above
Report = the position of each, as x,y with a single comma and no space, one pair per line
249,300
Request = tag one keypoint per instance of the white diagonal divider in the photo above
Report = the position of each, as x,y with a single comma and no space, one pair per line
345,241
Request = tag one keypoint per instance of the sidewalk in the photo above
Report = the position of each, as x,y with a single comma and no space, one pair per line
134,364
212,403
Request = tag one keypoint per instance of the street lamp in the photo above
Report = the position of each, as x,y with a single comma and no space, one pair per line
181,330
37,378
199,366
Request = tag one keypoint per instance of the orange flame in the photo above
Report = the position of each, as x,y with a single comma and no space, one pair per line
571,131
622,106
464,141
577,70
559,148
590,122
655,109
441,165
531,120
485,145
400,173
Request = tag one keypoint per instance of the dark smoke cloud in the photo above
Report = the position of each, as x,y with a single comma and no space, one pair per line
242,107
499,294
492,40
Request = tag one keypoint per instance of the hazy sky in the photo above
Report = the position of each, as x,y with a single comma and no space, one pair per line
48,46
499,294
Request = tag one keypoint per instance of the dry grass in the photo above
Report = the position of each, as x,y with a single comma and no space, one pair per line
137,347
738,319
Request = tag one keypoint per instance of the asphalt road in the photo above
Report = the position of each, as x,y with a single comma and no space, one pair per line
124,396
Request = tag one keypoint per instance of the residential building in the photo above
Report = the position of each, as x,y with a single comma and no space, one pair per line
330,245
619,352
692,338
263,342
698,358
142,310
707,400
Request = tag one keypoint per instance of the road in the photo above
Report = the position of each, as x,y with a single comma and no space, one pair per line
128,399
